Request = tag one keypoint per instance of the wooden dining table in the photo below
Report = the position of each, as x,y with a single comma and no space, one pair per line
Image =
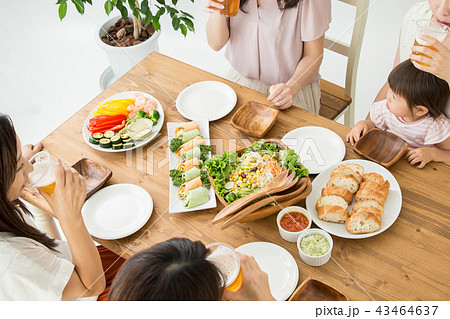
408,261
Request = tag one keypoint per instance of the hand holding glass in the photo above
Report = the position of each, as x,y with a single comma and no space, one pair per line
227,260
43,174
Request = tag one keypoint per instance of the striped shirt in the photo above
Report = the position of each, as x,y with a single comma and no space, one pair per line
424,132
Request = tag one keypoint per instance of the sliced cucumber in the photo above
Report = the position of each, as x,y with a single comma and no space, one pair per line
128,145
229,185
124,136
126,140
109,134
93,140
97,136
105,143
116,139
117,146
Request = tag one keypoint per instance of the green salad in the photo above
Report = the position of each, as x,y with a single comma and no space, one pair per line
236,176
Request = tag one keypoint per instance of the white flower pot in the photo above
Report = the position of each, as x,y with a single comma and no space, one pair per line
122,59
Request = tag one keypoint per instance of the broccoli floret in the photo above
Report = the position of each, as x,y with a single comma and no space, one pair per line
154,114
177,177
175,143
140,114
205,179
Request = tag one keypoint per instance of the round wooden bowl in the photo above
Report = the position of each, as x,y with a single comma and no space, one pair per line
381,147
272,209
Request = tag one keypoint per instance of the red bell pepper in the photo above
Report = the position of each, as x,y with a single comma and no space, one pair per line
100,120
103,129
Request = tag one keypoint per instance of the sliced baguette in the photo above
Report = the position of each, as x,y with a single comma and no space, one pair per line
367,203
331,200
333,214
338,191
362,223
369,185
356,167
366,194
347,182
373,177
384,189
347,171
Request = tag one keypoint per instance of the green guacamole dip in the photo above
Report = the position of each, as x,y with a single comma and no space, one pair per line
314,245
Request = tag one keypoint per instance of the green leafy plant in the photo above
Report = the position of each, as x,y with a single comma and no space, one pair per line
145,11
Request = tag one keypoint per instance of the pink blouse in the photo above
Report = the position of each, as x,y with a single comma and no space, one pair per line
267,44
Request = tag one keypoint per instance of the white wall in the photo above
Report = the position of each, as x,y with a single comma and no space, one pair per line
50,69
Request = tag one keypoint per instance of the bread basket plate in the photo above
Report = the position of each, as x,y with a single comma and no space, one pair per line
392,207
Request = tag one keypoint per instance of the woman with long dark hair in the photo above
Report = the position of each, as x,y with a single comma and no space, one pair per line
177,269
32,265
274,47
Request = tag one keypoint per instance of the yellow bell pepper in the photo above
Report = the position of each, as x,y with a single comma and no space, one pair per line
114,107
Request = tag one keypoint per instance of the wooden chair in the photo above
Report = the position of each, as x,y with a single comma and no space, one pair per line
336,100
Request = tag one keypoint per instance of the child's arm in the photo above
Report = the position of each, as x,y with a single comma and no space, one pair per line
424,155
359,130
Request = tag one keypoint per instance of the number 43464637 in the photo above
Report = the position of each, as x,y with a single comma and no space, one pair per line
405,310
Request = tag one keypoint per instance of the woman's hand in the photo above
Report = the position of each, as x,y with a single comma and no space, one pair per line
213,6
255,282
29,150
422,155
281,96
357,131
438,62
70,193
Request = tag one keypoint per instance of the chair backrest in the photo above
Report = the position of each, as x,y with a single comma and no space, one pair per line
353,50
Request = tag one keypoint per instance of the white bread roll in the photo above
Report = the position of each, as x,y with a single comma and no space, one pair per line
362,223
347,182
367,203
338,191
384,189
347,171
333,214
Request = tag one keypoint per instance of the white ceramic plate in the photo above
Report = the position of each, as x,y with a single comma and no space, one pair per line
208,100
117,211
392,207
317,147
175,204
278,263
126,95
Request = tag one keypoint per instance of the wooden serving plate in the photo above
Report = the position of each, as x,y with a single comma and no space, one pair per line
254,119
381,147
273,209
95,174
315,290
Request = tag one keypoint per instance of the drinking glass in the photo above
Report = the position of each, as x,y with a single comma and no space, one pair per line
231,8
225,258
433,29
43,174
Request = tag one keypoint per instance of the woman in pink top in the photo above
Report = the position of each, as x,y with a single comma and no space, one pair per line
413,110
273,47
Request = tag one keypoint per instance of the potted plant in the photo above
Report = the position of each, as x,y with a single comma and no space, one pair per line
130,38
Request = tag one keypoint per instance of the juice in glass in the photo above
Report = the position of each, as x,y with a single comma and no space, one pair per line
433,29
231,8
43,174
227,260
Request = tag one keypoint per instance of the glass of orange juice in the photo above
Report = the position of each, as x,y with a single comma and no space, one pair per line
226,259
433,29
43,174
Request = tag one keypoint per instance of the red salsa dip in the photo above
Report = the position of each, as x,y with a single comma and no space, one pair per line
294,222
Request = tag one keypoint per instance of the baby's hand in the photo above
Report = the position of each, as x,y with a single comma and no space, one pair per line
422,155
357,131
